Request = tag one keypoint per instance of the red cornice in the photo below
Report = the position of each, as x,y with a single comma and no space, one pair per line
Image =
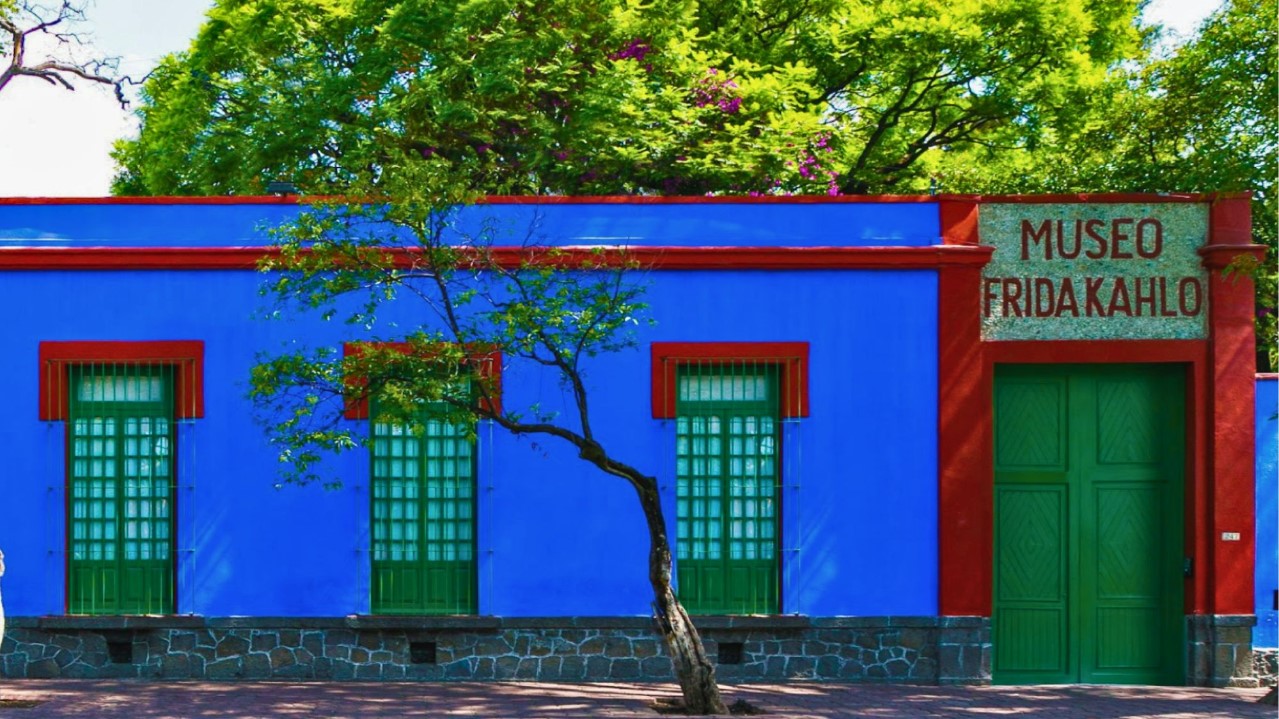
655,200
1101,198
159,200
1218,257
662,258
704,199
492,200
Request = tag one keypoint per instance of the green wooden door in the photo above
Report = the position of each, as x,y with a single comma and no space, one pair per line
728,439
1088,524
423,518
120,480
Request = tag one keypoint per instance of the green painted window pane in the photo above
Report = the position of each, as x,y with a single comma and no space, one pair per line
423,538
727,478
120,521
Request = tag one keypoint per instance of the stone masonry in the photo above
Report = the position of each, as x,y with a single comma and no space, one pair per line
1220,650
1265,666
924,650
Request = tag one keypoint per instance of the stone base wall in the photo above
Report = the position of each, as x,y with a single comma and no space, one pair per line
1220,650
925,650
1265,666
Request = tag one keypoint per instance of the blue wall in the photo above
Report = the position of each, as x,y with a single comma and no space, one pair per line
723,223
555,537
1266,633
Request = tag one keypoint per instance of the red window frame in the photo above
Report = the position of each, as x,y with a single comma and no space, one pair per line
185,356
790,357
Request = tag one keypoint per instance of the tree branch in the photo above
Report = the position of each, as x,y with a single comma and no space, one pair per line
54,71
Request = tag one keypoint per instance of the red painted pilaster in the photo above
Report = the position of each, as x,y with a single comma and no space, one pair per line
1232,366
964,442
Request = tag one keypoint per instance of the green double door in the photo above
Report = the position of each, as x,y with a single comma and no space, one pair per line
1088,524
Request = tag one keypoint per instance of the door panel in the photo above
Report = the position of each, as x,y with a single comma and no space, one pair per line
1031,582
1107,442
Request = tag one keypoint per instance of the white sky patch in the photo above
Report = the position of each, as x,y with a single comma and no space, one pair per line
55,143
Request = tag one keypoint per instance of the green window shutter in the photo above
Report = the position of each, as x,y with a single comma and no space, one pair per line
423,523
121,486
727,480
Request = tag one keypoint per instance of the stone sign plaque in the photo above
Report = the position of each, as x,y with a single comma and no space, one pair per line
1094,271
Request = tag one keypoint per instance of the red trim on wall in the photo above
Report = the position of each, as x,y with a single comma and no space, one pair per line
1232,407
169,200
133,258
965,497
958,221
1219,257
1146,198
356,406
1191,353
648,199
703,199
1094,351
187,356
792,357
493,200
1230,220
1220,386
662,258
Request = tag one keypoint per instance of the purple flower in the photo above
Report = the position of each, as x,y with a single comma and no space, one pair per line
637,50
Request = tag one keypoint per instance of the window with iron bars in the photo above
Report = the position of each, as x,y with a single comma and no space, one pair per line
728,447
120,477
423,515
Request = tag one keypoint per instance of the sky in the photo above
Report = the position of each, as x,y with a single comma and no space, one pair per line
55,143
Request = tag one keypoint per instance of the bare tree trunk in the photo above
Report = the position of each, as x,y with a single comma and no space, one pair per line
1,603
693,670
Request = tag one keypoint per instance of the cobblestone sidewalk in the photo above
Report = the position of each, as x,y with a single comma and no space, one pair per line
123,699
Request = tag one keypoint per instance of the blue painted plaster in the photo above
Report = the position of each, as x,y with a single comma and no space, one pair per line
555,537
1266,633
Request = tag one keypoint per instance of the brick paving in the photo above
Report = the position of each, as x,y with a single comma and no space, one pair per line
125,699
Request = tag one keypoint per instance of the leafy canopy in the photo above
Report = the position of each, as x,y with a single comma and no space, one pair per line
611,96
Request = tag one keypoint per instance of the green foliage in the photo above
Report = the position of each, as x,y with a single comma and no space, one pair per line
610,96
542,307
1201,119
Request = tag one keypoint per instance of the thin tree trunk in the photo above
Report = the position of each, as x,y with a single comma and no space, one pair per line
693,670
1,603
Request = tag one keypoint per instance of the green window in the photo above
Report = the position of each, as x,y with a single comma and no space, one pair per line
121,490
727,478
423,554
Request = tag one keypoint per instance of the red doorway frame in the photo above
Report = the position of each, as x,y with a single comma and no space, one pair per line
1219,424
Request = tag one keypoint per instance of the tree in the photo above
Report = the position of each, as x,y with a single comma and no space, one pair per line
22,21
1203,118
613,97
544,307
